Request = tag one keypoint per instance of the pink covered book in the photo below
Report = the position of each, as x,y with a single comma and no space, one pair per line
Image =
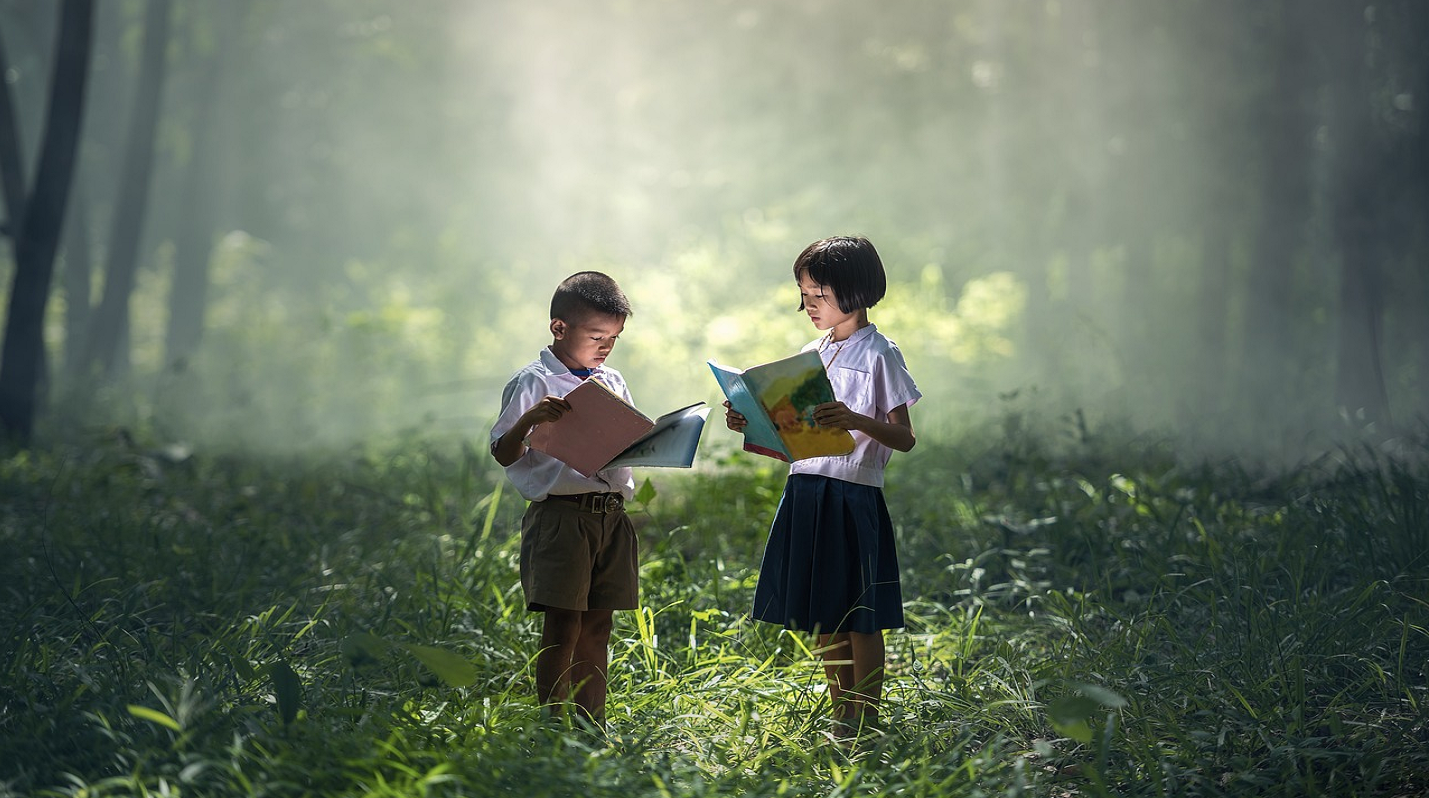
603,431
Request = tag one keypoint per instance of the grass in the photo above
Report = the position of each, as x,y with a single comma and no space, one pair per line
1091,623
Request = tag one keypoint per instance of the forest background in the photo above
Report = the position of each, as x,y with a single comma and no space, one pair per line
299,225
1158,268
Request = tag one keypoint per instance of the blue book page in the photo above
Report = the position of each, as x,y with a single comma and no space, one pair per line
789,389
671,444
760,436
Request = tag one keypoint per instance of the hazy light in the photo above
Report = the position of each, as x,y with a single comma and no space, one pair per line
985,75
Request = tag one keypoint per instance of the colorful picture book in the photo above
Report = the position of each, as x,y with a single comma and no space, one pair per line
778,401
602,430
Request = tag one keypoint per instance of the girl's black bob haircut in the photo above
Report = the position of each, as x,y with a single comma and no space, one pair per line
847,264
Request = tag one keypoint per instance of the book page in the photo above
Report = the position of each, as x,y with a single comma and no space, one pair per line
789,390
760,436
671,443
598,426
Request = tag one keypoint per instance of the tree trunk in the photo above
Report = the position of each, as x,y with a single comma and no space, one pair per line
1271,360
1084,220
193,246
1420,255
12,175
22,363
1360,387
1219,191
1054,293
78,263
1407,297
1362,212
1136,194
1213,317
111,319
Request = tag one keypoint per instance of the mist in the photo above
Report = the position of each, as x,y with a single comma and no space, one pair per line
1197,222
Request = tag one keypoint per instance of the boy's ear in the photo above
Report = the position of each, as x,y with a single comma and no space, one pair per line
558,329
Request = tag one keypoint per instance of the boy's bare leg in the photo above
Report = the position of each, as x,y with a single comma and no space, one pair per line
589,662
559,632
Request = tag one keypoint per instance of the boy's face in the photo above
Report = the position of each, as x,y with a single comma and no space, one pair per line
821,304
586,342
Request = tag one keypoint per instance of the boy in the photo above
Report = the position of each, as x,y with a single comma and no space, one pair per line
578,547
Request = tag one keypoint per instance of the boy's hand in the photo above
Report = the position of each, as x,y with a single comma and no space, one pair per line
733,420
837,414
510,447
548,409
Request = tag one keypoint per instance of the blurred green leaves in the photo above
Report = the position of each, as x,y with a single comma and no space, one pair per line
1072,715
450,667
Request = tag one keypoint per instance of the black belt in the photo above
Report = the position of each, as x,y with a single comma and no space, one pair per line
593,502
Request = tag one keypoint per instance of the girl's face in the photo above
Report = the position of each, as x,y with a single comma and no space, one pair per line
586,343
823,307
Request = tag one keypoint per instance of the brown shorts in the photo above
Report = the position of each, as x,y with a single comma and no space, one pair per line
577,556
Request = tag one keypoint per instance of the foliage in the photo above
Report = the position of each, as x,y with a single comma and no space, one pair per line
1141,209
1090,622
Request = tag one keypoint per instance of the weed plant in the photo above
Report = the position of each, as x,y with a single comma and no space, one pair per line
1085,623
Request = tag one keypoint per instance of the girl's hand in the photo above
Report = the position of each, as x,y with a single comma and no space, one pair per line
733,420
837,414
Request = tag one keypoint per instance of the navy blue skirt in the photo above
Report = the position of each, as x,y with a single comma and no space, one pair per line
830,564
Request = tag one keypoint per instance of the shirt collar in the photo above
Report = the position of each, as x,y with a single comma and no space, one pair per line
858,335
554,365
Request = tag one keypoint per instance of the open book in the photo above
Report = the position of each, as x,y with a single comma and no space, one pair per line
778,401
602,430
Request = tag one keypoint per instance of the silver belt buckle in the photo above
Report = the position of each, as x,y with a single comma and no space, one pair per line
612,503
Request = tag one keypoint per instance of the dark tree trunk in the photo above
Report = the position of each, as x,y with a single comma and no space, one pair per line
1084,222
22,363
1219,189
110,323
78,282
1420,197
1360,387
12,174
193,247
1409,304
1213,316
1270,363
1057,294
1359,212
1137,195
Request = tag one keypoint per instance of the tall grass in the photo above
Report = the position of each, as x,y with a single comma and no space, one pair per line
1093,623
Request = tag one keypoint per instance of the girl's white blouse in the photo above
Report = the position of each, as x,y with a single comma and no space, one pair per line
870,376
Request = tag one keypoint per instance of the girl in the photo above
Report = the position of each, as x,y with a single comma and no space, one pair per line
830,566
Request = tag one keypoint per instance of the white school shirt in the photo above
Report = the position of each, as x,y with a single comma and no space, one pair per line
870,377
536,474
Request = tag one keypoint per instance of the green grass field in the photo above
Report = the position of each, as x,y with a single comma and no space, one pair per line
1083,624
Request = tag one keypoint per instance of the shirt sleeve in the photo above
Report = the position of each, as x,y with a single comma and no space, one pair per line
520,394
893,383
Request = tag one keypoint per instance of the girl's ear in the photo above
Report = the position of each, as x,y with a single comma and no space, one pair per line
558,329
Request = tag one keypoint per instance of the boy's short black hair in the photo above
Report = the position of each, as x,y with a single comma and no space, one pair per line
587,292
847,264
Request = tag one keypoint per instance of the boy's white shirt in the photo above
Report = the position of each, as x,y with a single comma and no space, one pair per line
870,377
537,475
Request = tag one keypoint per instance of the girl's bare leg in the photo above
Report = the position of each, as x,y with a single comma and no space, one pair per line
853,664
837,655
868,664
